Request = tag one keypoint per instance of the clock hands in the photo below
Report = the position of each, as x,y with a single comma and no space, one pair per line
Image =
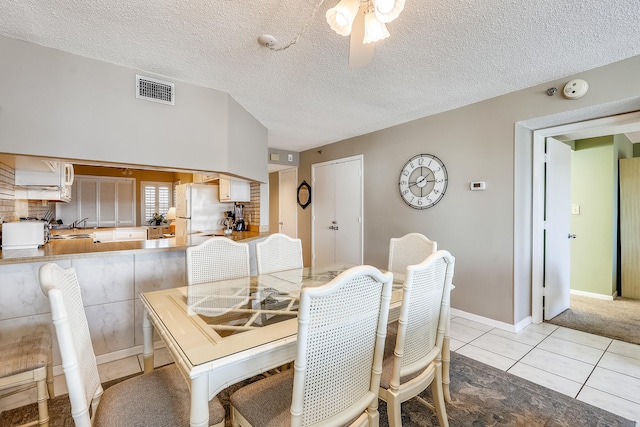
421,180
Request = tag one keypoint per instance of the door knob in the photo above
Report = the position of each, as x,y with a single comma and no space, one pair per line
571,236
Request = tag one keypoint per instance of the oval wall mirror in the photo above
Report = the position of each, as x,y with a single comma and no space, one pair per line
304,194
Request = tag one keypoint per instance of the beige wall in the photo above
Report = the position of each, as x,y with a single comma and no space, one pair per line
56,104
488,232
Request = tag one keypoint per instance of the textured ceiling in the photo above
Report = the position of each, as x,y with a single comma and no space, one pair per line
442,54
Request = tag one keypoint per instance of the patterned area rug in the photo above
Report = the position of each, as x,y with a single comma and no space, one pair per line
618,319
481,396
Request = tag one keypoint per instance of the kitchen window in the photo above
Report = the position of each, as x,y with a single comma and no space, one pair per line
156,197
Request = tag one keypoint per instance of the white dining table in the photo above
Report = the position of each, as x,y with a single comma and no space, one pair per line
220,333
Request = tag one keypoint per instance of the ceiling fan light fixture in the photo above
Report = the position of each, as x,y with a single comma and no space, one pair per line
387,10
374,30
340,18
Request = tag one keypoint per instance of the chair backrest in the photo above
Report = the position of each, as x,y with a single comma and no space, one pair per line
410,249
340,345
72,331
217,258
423,314
279,252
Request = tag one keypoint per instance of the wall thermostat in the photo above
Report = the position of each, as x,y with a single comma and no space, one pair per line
478,186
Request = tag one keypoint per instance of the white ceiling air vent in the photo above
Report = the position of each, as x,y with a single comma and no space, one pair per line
155,90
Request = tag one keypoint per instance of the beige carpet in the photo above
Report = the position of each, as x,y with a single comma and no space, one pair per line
481,396
618,319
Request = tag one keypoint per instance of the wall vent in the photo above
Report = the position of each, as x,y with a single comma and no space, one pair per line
155,90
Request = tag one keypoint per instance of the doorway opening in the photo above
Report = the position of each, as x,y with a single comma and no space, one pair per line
612,125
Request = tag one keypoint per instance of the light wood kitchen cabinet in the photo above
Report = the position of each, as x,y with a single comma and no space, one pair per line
231,190
157,231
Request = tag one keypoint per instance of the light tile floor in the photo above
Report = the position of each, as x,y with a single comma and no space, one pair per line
597,370
600,371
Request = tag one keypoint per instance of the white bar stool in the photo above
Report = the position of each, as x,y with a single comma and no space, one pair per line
27,363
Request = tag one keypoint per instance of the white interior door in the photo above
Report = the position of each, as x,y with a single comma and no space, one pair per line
557,253
287,200
337,212
323,215
348,232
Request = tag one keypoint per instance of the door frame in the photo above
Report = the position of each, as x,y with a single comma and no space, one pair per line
611,125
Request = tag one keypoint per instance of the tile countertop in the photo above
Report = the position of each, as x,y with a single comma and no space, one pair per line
81,248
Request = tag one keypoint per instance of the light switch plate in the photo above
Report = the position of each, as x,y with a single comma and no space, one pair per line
575,209
290,157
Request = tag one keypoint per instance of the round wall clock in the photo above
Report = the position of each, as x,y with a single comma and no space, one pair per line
423,181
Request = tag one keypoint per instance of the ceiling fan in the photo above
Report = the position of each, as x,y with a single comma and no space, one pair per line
365,21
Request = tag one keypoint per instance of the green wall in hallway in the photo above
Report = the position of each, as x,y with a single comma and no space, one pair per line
592,190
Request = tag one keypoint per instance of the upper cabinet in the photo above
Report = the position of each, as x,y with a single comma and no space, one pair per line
232,190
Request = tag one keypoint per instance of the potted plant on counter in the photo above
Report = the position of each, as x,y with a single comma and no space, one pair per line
157,219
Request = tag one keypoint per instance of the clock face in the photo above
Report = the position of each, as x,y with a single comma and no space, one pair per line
423,181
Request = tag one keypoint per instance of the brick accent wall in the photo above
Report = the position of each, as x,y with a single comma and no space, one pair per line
7,203
252,210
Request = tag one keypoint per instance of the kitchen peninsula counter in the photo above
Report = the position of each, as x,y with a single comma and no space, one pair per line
85,248
112,275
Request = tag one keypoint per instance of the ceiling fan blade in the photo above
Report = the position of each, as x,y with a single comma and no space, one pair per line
360,54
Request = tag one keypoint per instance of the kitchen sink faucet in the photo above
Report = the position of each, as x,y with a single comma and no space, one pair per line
77,222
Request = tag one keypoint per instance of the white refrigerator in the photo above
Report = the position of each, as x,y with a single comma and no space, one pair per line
198,209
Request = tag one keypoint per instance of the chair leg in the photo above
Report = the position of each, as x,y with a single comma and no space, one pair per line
50,388
438,398
446,361
234,417
394,412
43,408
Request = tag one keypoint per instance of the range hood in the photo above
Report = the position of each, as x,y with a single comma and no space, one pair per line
57,175
51,194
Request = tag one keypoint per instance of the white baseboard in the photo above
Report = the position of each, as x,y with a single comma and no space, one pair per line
491,322
594,295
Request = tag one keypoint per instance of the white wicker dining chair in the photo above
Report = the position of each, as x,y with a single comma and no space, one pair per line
217,258
409,249
278,252
159,398
413,356
341,331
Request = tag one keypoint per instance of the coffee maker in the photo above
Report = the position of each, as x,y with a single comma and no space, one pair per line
239,217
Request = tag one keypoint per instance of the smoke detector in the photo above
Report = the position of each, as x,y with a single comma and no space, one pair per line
576,89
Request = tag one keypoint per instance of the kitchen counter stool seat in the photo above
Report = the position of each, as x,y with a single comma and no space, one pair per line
27,363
